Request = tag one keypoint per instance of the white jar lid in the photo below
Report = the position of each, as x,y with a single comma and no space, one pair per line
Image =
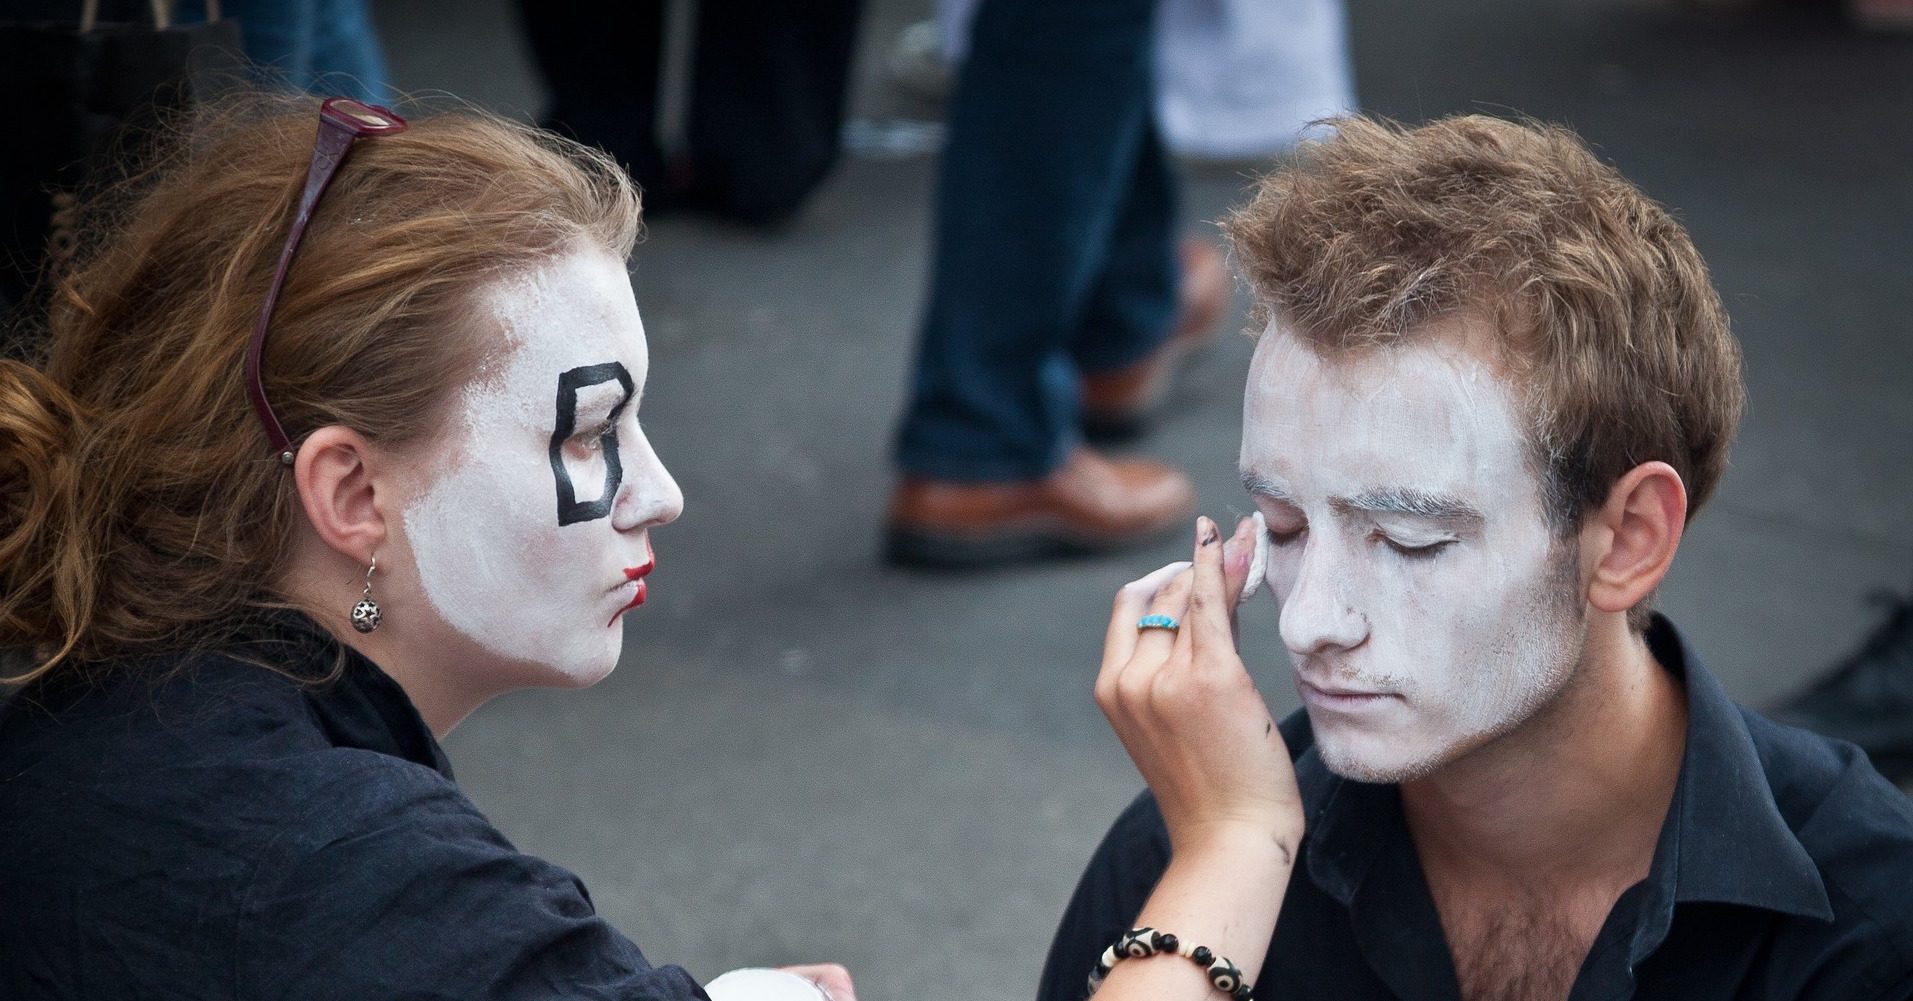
763,985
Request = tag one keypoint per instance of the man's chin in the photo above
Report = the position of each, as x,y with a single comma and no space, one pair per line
1373,760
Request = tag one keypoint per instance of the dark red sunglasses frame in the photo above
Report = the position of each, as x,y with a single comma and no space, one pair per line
341,121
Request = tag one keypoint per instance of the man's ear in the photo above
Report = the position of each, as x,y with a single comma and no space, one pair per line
334,471
1632,538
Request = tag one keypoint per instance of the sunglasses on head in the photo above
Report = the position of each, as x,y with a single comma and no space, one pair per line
342,121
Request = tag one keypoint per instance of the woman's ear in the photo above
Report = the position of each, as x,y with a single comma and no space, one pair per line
1631,540
335,471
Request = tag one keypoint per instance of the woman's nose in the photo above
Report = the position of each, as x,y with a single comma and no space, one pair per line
649,495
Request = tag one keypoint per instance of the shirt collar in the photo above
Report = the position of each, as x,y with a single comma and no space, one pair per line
359,706
1723,841
1348,822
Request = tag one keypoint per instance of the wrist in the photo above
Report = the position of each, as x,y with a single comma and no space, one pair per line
1239,842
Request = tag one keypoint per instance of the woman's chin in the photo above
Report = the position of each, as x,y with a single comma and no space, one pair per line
582,675
582,669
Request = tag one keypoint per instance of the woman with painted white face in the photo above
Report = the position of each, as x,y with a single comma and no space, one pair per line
332,442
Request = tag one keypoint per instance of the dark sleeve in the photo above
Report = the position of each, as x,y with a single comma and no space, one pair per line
397,887
1120,877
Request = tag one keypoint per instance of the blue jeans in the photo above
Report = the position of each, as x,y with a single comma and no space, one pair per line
324,47
1054,251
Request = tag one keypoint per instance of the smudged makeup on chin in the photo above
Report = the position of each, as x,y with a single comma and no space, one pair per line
1426,604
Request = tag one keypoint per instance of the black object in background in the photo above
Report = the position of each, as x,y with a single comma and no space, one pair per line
768,82
81,82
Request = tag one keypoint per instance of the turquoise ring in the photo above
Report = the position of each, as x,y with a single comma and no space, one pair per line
1158,622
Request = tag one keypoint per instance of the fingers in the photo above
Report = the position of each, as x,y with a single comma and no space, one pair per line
1164,592
1133,602
1241,556
1220,568
1199,596
1207,540
1155,644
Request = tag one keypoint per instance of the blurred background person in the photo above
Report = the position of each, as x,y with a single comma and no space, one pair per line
326,47
1054,263
762,103
1235,78
1059,304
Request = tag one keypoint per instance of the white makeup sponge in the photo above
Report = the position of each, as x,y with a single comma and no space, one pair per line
756,984
1259,563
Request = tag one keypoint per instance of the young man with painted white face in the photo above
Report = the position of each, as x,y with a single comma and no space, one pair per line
1494,384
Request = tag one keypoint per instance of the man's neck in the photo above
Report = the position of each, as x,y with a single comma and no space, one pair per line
1575,796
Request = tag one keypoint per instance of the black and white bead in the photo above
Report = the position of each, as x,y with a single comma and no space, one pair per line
1227,977
365,615
1140,943
1137,943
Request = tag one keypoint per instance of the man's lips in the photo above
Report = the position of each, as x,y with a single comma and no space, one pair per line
1341,697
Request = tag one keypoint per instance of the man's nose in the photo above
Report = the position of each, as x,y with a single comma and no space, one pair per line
1318,614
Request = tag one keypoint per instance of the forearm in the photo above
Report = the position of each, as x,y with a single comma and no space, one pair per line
1225,898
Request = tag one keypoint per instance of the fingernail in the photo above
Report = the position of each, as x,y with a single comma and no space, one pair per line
1206,531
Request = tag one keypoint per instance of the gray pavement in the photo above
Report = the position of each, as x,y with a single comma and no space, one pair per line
807,755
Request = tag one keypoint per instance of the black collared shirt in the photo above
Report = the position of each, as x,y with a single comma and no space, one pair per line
1784,869
231,833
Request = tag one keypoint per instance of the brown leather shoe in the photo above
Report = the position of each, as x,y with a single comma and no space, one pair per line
1089,504
1119,403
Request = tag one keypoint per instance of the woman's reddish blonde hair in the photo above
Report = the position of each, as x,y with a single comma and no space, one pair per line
140,503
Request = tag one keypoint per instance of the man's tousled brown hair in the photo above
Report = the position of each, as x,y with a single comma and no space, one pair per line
1602,310
140,504
1599,300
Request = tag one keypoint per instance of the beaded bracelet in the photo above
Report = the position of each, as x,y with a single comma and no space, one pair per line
1138,943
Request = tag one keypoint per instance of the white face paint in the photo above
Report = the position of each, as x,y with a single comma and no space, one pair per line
1426,605
532,538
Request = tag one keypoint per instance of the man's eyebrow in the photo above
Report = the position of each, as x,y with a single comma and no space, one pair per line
1412,502
1385,500
1259,485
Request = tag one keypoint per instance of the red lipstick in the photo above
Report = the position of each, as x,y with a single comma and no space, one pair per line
636,574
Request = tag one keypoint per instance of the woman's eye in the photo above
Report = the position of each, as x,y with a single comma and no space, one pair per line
592,438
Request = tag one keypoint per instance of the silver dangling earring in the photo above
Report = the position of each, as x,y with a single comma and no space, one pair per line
365,614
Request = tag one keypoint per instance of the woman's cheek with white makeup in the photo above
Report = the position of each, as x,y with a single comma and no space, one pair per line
500,572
